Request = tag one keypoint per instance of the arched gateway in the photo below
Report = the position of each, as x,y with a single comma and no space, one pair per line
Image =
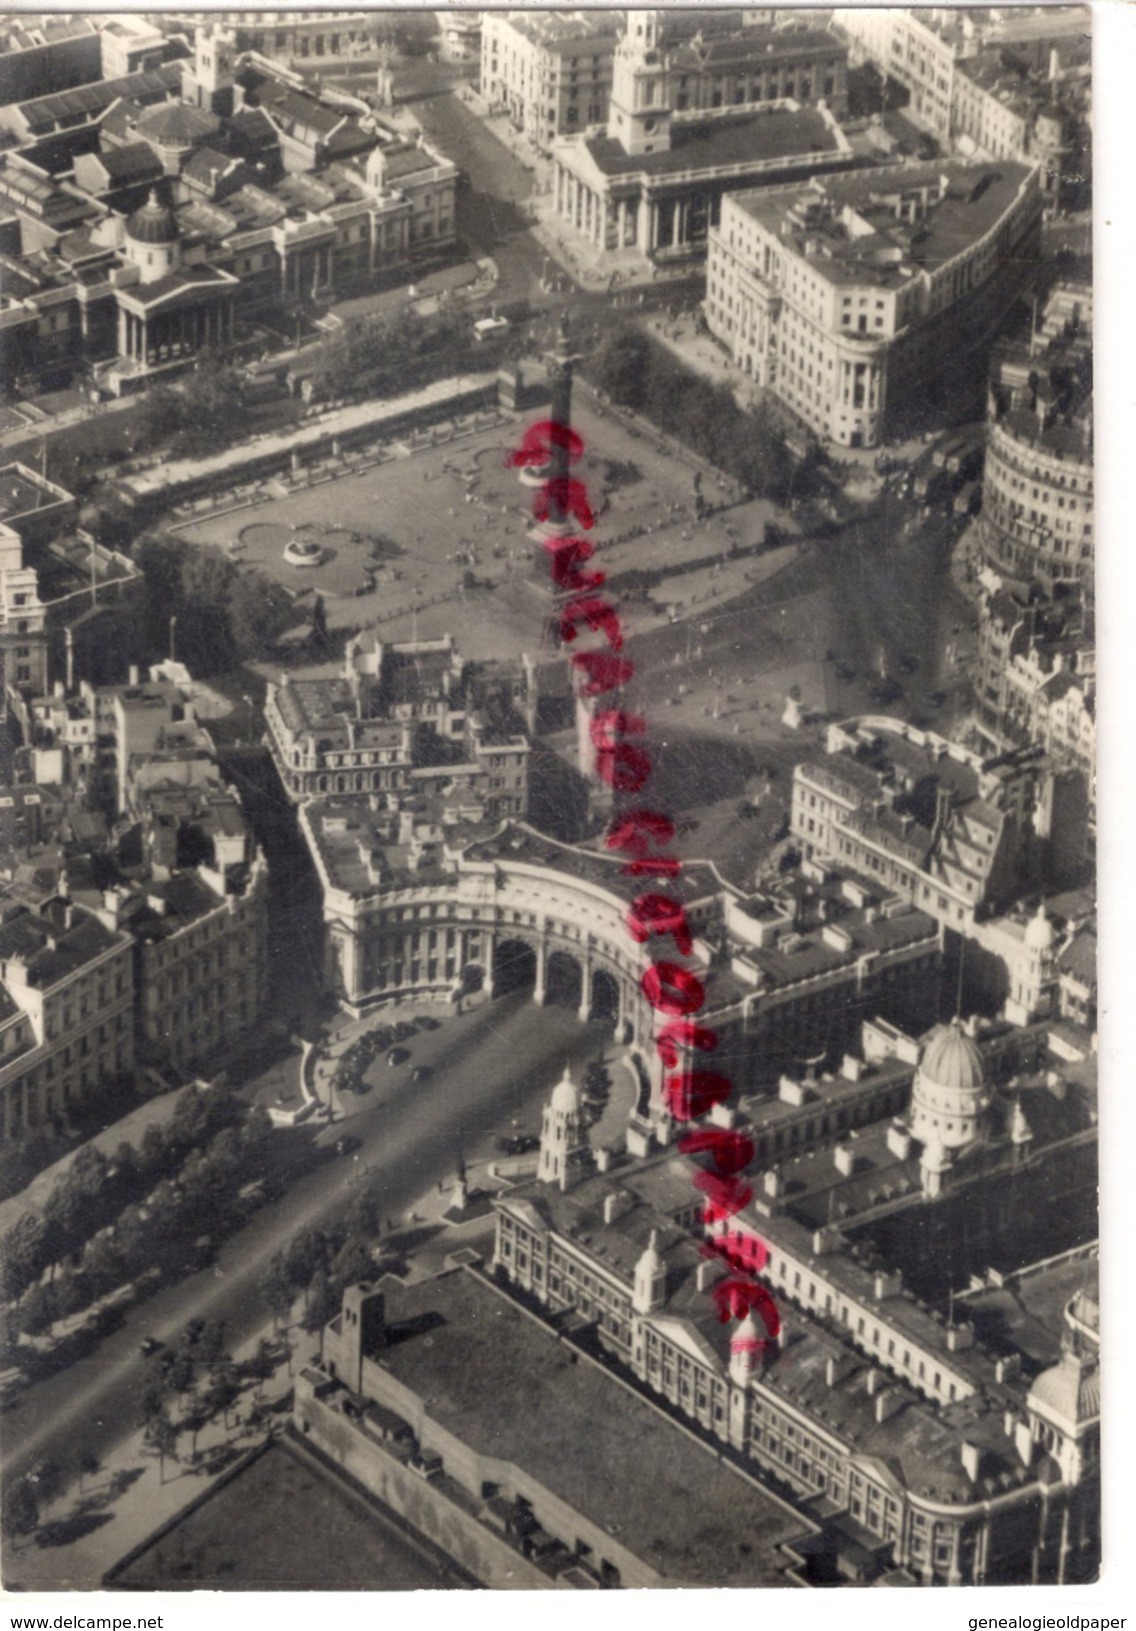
516,911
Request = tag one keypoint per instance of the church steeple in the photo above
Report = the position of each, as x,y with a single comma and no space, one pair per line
640,118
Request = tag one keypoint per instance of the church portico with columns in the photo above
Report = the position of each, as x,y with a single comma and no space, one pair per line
691,121
170,321
662,204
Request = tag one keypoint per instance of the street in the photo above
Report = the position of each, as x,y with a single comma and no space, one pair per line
490,1072
497,183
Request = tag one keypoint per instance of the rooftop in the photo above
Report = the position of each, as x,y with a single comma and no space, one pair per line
559,30
517,842
649,1197
631,1479
162,909
52,951
853,231
133,162
22,492
1027,1315
86,103
747,49
706,144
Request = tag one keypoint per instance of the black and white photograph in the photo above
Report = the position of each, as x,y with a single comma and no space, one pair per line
549,805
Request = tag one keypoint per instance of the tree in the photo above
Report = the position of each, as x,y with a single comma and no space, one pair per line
37,1311
192,1422
322,1305
126,1170
157,415
88,1171
213,415
365,1216
23,1255
66,1214
163,1435
619,366
222,1392
597,1080
21,1509
275,1288
304,1254
258,610
256,1136
50,1481
72,1293
104,1264
181,1376
319,622
262,1366
152,1402
88,1464
211,1343
352,1263
152,1150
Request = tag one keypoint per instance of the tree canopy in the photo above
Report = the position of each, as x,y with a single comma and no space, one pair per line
225,614
636,372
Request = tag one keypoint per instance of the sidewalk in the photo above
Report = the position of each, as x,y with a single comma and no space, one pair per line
84,1533
81,1535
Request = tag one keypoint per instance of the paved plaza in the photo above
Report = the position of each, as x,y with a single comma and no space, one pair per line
437,541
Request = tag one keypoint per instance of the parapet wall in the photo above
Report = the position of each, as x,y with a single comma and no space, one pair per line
422,1503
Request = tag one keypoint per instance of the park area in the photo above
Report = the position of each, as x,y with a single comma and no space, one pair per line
436,541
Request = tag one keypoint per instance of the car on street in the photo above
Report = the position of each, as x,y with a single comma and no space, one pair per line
149,1346
396,1056
486,327
193,1330
421,1072
519,1144
347,1145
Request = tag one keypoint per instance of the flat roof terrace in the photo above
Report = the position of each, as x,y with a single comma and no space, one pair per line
570,1425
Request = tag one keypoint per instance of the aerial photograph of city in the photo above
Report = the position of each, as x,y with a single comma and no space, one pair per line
548,801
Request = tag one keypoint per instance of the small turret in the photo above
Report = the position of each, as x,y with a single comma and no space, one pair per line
650,1289
564,1150
746,1348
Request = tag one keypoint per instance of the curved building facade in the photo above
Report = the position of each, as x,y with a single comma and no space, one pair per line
1037,499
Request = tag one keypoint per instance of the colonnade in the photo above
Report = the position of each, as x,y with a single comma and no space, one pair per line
636,221
182,332
544,950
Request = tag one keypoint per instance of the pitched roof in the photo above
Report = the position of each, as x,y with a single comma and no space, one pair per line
133,162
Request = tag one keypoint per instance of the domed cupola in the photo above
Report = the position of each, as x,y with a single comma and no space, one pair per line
565,1153
650,1288
153,222
1063,1408
152,239
1039,932
949,1096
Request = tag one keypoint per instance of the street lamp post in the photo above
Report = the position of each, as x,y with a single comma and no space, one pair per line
173,627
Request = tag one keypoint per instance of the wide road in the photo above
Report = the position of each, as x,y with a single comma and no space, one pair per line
491,1071
490,202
